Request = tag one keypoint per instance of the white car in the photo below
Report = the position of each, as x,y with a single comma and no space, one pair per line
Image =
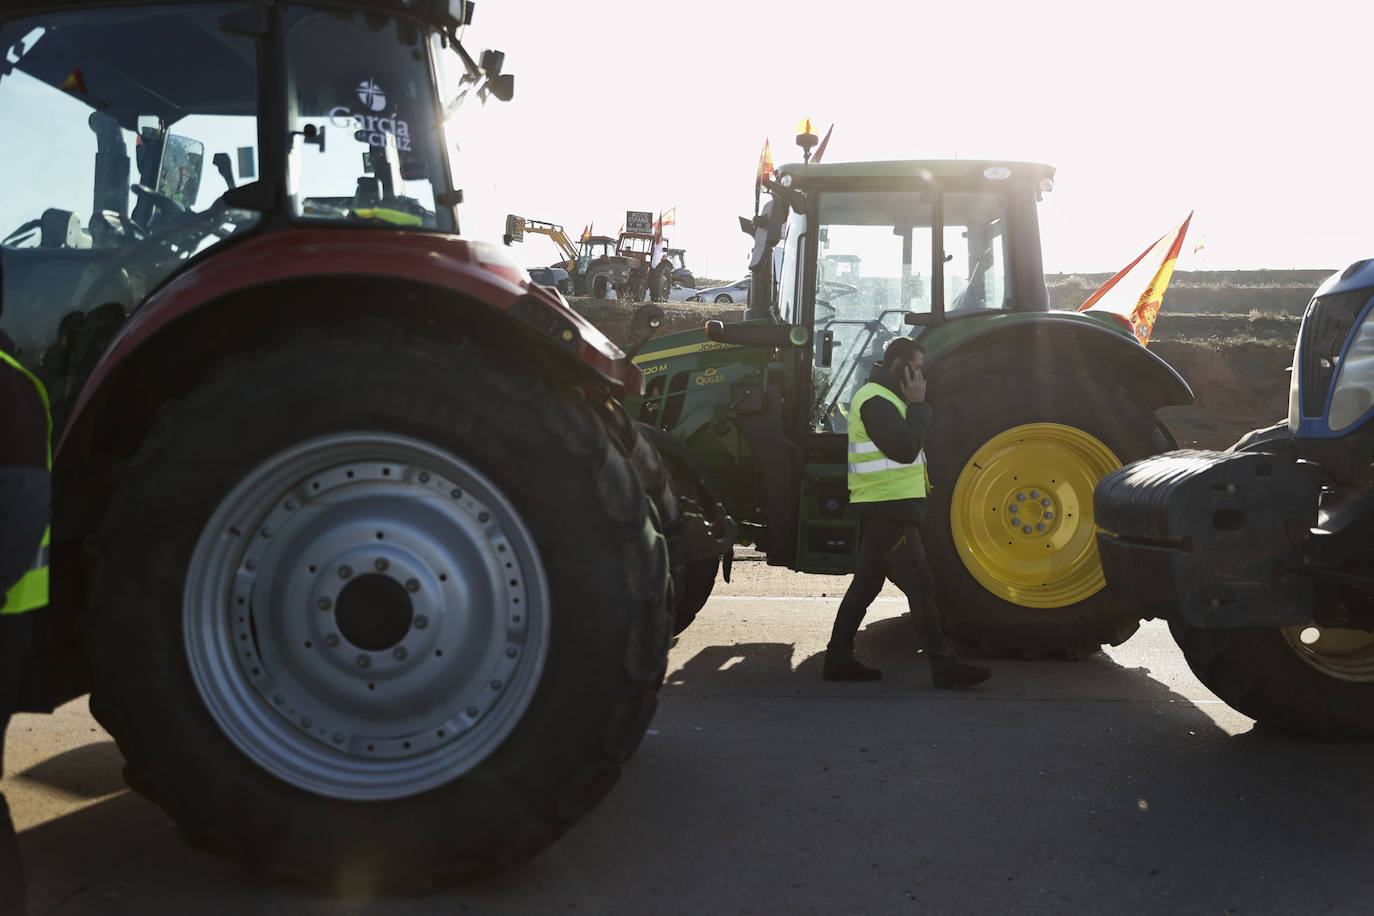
681,293
735,292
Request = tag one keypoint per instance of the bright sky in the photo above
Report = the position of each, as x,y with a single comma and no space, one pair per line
1255,115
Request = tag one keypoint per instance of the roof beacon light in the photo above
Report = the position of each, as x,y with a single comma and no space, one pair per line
807,138
997,173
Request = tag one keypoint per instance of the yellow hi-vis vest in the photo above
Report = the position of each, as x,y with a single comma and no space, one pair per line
31,591
873,477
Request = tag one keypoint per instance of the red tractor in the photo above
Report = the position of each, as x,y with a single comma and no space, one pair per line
361,563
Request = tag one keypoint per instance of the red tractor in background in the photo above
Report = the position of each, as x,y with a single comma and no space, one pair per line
365,569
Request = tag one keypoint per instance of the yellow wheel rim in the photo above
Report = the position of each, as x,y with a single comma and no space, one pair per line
1022,514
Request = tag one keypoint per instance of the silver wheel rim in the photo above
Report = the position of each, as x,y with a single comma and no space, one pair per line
366,616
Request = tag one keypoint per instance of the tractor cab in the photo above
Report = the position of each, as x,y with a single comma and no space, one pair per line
157,135
875,251
594,248
637,246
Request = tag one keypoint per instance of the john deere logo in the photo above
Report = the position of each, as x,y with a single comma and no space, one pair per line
371,95
709,377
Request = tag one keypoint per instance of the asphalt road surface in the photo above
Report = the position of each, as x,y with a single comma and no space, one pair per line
1117,784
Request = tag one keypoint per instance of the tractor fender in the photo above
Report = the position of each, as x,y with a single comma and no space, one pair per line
1060,341
362,272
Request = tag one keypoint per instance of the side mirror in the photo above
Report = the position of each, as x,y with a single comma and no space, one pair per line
182,162
503,87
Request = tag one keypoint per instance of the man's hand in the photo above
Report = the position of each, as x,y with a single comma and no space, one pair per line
913,385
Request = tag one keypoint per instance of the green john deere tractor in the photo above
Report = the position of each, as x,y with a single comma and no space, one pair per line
1032,407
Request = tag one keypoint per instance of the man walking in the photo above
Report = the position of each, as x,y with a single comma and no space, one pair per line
888,423
25,491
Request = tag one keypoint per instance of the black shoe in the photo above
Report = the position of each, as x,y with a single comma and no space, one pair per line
849,669
949,673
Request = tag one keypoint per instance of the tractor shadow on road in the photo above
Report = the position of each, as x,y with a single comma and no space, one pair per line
90,771
1058,786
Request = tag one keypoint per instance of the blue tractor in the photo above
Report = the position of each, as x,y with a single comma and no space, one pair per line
1261,557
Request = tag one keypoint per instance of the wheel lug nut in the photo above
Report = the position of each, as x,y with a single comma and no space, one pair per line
1045,501
400,653
412,585
1035,494
424,477
325,604
382,565
484,517
1040,526
1026,529
472,711
332,640
266,531
289,505
1049,515
338,738
364,661
345,572
1020,497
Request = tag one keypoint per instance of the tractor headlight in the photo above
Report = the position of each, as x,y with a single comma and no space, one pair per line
1353,393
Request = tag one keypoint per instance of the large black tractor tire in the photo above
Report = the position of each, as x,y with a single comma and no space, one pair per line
1013,462
698,583
692,582
669,487
371,609
598,283
1324,689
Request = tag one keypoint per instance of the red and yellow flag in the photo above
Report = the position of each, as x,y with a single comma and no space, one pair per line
75,82
668,217
586,232
1154,268
766,170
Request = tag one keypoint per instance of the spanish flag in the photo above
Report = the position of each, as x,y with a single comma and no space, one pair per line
74,82
1154,268
766,170
668,218
586,232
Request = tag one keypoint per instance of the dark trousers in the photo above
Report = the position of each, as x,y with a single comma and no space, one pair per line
890,550
16,634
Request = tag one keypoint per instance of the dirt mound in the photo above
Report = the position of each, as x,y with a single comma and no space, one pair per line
1237,388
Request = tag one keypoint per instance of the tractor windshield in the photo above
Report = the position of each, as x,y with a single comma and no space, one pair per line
883,254
118,155
365,143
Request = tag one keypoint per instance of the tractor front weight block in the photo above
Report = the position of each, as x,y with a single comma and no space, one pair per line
1210,538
